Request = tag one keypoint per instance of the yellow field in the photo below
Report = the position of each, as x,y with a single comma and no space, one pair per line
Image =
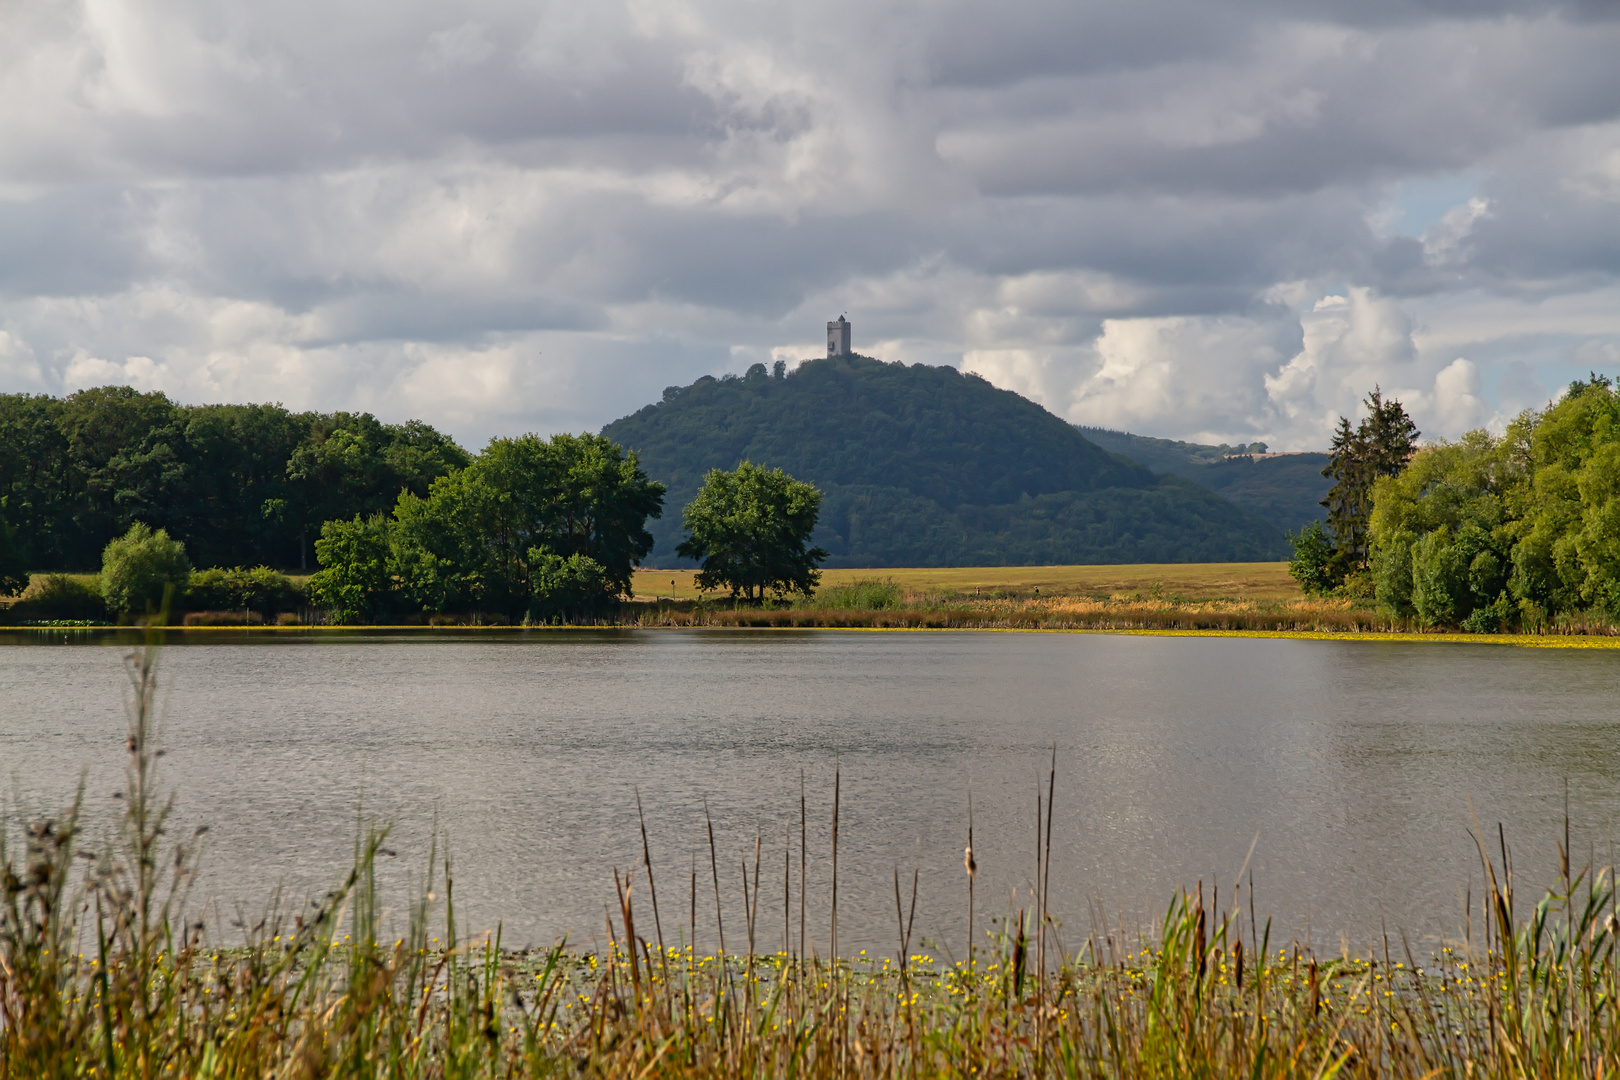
1192,581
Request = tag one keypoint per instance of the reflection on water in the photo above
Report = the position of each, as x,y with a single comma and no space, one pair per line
1359,766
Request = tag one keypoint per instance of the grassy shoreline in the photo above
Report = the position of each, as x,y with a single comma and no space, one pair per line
129,634
1220,599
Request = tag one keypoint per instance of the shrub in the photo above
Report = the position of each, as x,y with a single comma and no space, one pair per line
1490,618
223,618
139,567
867,595
239,588
57,596
1312,564
571,588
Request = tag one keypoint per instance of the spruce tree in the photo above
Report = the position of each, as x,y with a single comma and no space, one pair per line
1380,445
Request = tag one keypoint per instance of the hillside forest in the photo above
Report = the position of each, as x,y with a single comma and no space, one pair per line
1285,489
927,466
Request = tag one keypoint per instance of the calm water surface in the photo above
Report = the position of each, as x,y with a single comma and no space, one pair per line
1359,767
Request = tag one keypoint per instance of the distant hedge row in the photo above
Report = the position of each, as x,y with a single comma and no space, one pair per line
238,593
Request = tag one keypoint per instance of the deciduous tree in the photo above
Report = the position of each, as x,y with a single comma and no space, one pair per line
138,568
750,529
354,582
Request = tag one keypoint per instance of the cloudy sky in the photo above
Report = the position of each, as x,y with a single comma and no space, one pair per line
1189,218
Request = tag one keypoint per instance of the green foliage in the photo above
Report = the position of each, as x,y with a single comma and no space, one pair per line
1392,573
1287,489
531,528
568,589
235,588
58,597
475,540
13,560
1311,565
139,568
1488,531
1378,447
437,563
750,530
238,484
926,466
354,583
871,594
1439,579
354,464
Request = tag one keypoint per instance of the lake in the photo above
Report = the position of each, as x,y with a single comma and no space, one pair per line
1359,766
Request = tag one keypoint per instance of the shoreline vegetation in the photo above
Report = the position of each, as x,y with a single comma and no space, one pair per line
109,967
1218,598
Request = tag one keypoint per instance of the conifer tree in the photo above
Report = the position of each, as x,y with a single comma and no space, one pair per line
1380,445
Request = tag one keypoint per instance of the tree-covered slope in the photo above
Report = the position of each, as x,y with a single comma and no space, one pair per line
1287,490
925,466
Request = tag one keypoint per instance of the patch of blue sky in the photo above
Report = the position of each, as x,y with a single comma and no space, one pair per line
1419,203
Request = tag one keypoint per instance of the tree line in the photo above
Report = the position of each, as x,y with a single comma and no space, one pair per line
403,521
551,530
237,484
1485,533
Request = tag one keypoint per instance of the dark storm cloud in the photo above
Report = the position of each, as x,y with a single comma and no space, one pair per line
1193,218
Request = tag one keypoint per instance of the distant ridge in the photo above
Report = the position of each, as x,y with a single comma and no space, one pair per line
926,466
1285,489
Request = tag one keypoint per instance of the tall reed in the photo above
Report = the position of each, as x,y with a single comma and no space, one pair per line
106,972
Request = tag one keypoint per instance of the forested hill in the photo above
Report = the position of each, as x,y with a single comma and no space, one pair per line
926,466
1287,490
240,485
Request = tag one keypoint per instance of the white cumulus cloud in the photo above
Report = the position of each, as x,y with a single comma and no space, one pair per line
502,215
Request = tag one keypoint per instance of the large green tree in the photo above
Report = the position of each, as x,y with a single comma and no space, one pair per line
354,464
750,530
143,570
354,583
1524,527
1379,446
531,528
482,535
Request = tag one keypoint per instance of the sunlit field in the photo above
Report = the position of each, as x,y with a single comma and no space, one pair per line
1202,581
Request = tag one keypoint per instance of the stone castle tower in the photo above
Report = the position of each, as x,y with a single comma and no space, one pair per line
838,337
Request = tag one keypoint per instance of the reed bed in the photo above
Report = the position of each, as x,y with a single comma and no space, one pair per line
106,971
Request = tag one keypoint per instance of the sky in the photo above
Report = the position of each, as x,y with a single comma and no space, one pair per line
1221,220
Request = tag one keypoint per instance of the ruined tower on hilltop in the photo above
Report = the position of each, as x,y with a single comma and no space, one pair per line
838,337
